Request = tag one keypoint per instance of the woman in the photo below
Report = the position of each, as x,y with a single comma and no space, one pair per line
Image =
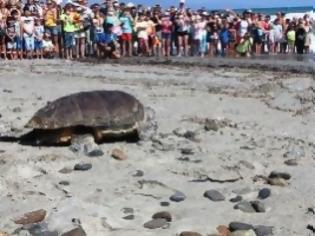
200,36
182,23
141,27
300,36
308,37
166,28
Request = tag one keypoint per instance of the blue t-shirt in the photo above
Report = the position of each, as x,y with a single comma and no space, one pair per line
107,38
126,24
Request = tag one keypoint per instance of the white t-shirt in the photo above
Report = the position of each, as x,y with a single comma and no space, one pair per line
28,25
243,27
278,32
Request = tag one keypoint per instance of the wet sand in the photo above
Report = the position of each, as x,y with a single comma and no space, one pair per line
269,112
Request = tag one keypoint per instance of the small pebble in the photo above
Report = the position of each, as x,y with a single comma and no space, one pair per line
138,173
187,151
245,206
189,233
258,206
277,182
283,175
64,182
165,204
65,170
83,166
128,210
95,153
262,230
129,217
223,230
233,226
238,198
163,215
214,195
119,154
291,162
264,193
155,223
17,109
178,197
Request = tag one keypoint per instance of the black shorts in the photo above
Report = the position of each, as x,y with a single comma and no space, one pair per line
182,33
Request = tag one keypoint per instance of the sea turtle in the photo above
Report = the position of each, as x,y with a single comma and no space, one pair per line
104,114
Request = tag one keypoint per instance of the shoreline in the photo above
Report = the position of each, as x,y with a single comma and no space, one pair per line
293,64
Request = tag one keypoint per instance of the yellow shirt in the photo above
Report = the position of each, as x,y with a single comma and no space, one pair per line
50,19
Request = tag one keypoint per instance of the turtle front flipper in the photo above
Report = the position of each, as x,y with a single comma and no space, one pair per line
39,137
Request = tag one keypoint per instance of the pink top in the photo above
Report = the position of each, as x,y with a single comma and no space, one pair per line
166,26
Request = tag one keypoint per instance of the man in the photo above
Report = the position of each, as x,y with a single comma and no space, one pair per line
108,43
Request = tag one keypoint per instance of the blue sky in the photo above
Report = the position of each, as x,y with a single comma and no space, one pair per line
222,4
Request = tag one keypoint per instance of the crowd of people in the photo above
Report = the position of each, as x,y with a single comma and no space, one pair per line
35,29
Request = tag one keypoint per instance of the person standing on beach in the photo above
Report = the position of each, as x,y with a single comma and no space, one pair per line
126,37
28,27
69,28
166,28
308,29
291,38
300,36
51,23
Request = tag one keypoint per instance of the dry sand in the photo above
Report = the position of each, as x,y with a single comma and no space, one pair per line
270,120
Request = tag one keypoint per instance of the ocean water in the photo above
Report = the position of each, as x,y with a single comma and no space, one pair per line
273,11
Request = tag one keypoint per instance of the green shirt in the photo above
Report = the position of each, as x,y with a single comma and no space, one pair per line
68,24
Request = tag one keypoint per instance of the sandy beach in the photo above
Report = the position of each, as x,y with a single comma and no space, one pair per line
221,128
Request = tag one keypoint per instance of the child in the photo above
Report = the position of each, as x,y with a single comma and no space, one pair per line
48,46
108,43
291,39
13,35
69,27
244,47
38,33
28,28
126,38
224,37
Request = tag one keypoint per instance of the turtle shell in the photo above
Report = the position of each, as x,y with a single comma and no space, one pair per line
111,110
